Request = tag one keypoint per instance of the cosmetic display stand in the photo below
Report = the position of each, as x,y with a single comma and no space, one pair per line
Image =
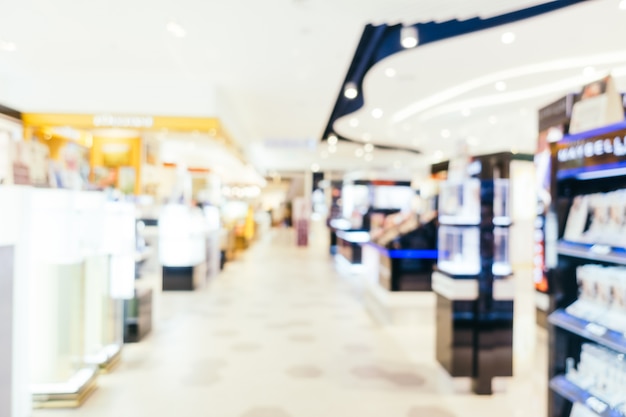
393,307
59,375
15,398
182,247
473,280
587,331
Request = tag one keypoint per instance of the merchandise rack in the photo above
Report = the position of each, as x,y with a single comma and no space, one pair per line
588,173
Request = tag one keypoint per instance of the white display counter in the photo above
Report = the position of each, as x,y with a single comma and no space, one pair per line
185,236
73,261
15,398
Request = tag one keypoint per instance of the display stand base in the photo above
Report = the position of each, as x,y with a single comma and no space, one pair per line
69,395
390,307
111,363
183,278
138,316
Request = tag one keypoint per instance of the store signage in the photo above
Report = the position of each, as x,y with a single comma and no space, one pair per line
597,150
108,120
557,113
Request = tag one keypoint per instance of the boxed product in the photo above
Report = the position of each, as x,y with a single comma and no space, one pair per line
459,202
459,250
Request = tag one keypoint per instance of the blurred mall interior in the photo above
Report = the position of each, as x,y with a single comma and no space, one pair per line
306,208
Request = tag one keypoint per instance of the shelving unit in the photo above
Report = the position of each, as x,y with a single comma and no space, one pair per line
582,174
473,279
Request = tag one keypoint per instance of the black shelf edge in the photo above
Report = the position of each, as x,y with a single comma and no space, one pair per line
586,251
595,332
572,392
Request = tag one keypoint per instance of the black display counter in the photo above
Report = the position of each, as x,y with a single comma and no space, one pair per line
405,269
349,245
138,316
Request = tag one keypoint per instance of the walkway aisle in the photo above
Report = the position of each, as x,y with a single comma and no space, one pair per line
280,334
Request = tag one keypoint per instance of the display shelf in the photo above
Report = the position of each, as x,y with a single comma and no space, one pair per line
572,392
600,253
598,333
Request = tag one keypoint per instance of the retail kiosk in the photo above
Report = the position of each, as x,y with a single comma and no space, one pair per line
473,281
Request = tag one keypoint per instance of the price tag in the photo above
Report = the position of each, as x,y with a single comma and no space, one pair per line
596,329
600,249
596,405
579,410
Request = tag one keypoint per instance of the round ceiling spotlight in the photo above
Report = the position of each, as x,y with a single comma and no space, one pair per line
368,147
315,168
445,133
377,113
359,152
368,157
622,5
500,86
350,90
332,139
438,155
508,38
466,112
7,46
176,29
589,72
390,72
354,122
409,37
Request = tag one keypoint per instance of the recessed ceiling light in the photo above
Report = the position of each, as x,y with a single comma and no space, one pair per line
508,38
390,72
332,139
354,122
408,37
359,152
368,147
622,5
466,112
315,167
176,29
350,91
368,157
500,86
7,46
589,71
493,120
377,113
438,155
445,133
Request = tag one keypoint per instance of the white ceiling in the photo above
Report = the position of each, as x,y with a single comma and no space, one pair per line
273,69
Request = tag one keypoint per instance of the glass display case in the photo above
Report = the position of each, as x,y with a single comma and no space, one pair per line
459,250
459,202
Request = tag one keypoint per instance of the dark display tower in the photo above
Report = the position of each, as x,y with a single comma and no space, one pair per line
473,280
591,177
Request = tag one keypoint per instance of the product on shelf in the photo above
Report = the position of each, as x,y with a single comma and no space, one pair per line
602,296
602,373
598,219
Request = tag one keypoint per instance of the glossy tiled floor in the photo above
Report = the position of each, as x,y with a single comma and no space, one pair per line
281,333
